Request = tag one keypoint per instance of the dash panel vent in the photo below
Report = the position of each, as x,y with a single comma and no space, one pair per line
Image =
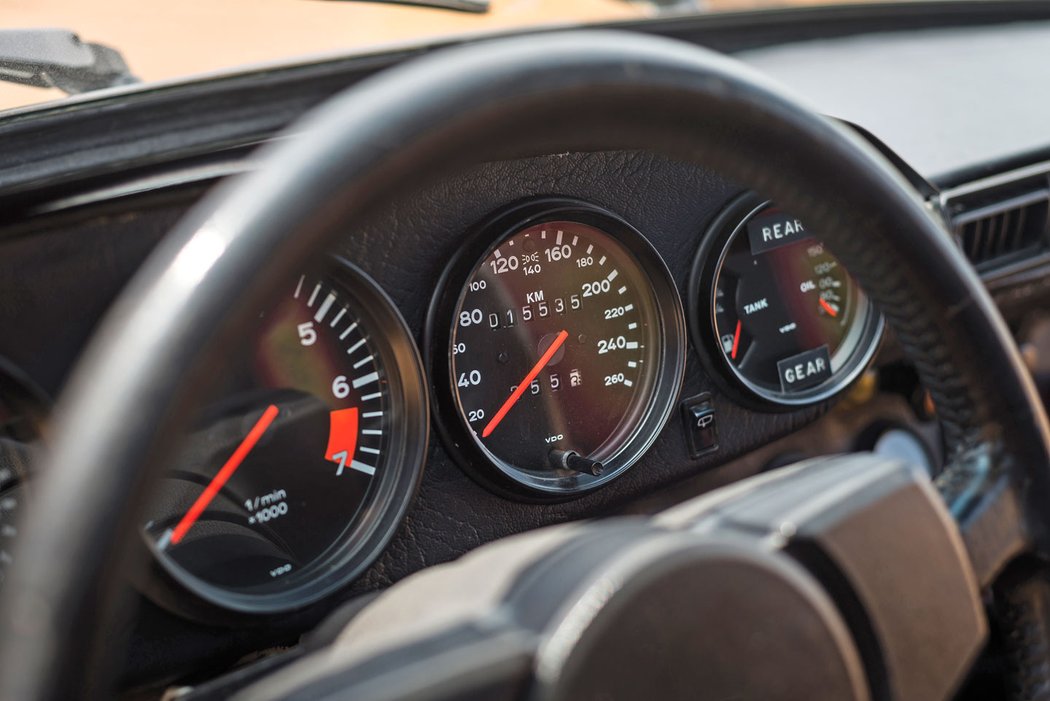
1001,224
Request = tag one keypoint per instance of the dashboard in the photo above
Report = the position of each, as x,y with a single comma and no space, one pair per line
532,341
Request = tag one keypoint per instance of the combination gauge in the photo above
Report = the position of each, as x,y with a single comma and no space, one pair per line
775,312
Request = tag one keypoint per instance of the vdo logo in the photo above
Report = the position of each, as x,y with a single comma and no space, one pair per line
554,439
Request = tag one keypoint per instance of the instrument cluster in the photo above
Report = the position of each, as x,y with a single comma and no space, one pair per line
553,355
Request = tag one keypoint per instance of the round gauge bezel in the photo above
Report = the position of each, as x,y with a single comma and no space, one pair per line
26,398
387,502
31,405
477,461
865,334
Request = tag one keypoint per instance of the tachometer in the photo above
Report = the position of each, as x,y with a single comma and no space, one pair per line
777,309
559,347
295,479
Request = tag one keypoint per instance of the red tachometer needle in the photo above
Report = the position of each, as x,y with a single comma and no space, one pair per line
736,340
224,474
516,394
832,312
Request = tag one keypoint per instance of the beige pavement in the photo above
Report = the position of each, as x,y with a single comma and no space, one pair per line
164,39
183,37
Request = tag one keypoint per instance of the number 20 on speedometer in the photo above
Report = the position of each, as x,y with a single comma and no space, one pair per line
559,341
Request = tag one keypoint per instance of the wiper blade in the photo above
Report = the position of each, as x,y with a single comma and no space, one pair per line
458,5
57,58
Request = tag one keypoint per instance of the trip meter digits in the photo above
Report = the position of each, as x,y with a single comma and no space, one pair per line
296,476
785,317
564,350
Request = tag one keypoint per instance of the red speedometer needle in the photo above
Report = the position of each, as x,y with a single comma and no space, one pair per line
832,312
736,340
516,394
224,474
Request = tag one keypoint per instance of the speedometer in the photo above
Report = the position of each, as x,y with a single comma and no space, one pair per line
777,309
560,347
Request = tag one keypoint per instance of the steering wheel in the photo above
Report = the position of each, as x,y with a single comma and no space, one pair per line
163,340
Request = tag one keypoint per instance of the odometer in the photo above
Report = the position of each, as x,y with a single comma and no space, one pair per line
564,349
787,320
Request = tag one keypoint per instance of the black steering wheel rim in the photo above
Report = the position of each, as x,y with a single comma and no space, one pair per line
164,339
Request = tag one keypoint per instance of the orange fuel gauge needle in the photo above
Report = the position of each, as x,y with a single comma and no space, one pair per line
736,340
516,394
224,474
832,312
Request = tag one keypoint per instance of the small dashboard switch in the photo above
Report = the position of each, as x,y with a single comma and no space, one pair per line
701,425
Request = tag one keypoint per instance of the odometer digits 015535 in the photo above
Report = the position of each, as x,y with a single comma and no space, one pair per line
564,350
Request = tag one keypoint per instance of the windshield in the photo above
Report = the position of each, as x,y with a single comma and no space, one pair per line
160,41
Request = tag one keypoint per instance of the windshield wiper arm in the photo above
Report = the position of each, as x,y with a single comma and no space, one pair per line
57,58
459,5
